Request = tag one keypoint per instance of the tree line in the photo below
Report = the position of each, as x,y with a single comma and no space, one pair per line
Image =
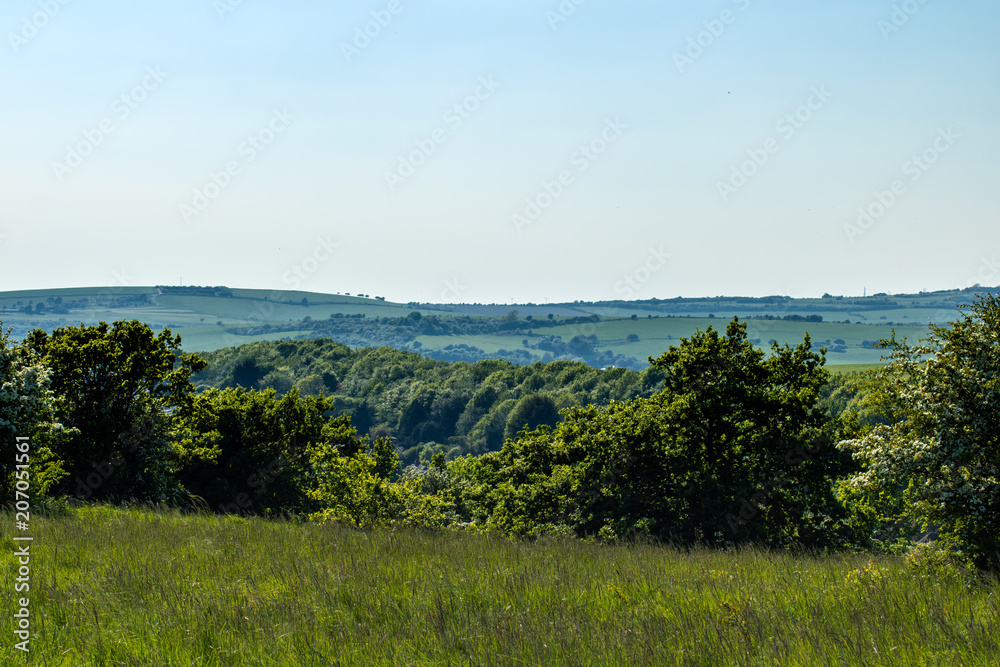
424,405
402,332
716,442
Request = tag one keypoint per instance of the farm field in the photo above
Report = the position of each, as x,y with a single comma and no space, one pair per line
141,586
244,306
879,316
202,338
657,334
488,344
209,321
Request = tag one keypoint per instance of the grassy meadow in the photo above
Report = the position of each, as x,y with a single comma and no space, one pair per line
146,587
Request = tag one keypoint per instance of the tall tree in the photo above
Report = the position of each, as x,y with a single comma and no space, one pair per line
756,446
27,415
531,411
734,449
120,386
246,451
941,450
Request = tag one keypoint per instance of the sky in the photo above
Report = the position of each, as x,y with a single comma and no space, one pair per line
496,152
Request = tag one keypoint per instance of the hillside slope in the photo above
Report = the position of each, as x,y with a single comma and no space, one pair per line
607,333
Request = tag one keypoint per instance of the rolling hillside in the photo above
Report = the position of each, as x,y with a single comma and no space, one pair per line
210,318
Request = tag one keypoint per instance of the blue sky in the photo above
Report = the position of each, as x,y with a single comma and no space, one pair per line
498,151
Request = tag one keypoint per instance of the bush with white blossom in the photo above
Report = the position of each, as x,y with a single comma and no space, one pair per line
942,447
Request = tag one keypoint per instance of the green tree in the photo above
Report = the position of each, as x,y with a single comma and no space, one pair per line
734,449
247,374
530,412
27,411
488,433
120,387
757,446
353,479
941,449
247,451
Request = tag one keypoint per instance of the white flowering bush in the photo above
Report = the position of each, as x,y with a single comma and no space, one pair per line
941,449
26,411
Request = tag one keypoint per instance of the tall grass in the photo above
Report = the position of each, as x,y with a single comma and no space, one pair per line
157,587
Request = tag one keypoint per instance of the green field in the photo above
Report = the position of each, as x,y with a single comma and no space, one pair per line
208,322
245,306
488,344
658,334
156,587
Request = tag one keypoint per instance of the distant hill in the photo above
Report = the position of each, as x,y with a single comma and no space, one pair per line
602,333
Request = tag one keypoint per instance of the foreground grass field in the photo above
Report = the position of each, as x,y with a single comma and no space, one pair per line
149,587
